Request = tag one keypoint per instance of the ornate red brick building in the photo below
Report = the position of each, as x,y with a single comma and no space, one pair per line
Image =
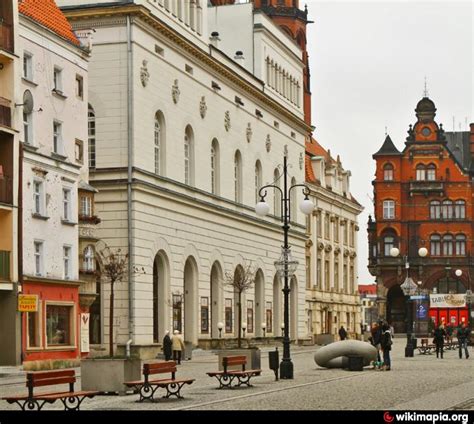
423,198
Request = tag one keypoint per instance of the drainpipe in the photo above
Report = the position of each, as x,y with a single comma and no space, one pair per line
131,294
127,349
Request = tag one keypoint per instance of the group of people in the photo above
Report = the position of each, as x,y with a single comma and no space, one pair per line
441,334
381,338
173,346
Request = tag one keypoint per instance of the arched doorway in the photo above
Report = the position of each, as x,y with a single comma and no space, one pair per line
259,303
277,305
160,295
190,300
293,304
396,309
216,298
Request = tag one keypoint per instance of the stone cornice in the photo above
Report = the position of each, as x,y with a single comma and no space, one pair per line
181,42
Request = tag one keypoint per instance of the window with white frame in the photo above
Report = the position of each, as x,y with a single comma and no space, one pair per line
28,66
57,138
60,325
157,145
460,244
39,257
79,87
67,262
388,172
28,128
88,259
91,136
388,209
189,156
215,166
57,80
460,209
38,197
258,179
238,177
86,206
67,207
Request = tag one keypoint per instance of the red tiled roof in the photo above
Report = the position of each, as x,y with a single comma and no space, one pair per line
368,288
47,13
309,174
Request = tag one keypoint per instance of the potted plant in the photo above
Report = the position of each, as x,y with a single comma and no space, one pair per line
108,373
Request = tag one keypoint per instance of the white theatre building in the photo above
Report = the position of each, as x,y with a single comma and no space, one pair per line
185,132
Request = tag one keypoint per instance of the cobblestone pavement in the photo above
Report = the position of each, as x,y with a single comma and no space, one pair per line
422,382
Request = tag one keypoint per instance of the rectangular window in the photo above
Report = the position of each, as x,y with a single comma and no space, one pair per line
319,273
79,87
388,209
204,315
57,80
38,253
336,274
67,215
319,224
38,197
345,277
344,224
326,226
86,206
352,279
57,138
268,317
177,312
336,230
249,316
28,66
59,325
67,262
28,128
326,275
351,234
79,151
228,315
308,272
33,330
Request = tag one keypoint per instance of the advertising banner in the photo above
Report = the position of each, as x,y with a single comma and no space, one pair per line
447,300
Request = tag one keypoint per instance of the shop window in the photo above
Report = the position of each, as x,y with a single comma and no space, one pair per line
59,328
33,329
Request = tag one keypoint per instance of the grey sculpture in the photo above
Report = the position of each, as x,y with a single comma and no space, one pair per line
335,355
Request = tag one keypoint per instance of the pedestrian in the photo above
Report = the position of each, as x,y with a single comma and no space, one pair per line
449,333
178,346
376,338
386,345
342,333
167,346
463,336
439,335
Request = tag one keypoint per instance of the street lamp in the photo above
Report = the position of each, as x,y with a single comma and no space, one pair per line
264,328
244,327
220,326
285,266
469,297
409,289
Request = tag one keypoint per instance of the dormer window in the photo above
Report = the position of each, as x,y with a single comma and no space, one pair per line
388,172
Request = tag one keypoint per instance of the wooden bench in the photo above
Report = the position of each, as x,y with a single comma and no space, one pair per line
147,387
226,376
426,348
71,400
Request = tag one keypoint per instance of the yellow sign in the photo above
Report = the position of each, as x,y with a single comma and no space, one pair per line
28,302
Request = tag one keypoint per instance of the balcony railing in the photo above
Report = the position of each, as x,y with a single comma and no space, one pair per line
6,37
426,186
6,190
5,112
4,265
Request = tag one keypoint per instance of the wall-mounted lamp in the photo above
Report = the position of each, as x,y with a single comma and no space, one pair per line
220,326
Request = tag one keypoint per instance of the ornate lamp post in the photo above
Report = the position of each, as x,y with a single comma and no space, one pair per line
469,297
285,266
409,289
244,327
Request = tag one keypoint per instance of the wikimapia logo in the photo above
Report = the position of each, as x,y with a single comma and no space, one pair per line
435,418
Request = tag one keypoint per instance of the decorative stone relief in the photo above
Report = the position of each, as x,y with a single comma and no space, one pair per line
327,248
249,132
346,253
227,120
175,91
203,107
320,245
308,243
301,160
144,74
337,250
268,143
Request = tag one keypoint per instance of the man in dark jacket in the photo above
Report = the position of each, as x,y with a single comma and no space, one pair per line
342,333
463,336
167,346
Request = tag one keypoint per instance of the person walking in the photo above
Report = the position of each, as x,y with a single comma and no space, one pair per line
376,333
167,346
178,346
342,333
439,335
463,336
386,345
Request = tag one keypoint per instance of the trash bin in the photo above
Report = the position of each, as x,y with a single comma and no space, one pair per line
274,362
355,363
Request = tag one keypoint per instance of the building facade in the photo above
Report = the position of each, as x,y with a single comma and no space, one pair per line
184,136
368,300
332,296
423,198
54,148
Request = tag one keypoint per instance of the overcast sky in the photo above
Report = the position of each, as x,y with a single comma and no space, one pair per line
368,64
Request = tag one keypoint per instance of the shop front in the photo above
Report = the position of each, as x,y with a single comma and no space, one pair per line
448,309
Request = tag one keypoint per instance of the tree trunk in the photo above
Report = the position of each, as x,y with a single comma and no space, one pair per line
239,340
111,321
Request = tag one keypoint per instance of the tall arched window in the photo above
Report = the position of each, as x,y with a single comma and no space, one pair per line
460,244
189,156
420,172
159,142
238,177
215,167
447,209
277,195
88,259
91,135
258,179
388,172
435,209
431,172
460,209
435,245
447,245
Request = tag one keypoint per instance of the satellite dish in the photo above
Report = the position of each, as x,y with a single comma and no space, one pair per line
27,102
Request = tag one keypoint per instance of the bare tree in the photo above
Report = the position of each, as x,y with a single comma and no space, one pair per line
241,280
114,269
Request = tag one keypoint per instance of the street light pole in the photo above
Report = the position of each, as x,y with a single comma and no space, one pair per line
286,267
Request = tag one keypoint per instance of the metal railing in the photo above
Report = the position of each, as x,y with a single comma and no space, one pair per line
4,265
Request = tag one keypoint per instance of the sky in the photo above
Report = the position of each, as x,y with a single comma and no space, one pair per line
368,62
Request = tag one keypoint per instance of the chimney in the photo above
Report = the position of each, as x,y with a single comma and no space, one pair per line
214,38
239,58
